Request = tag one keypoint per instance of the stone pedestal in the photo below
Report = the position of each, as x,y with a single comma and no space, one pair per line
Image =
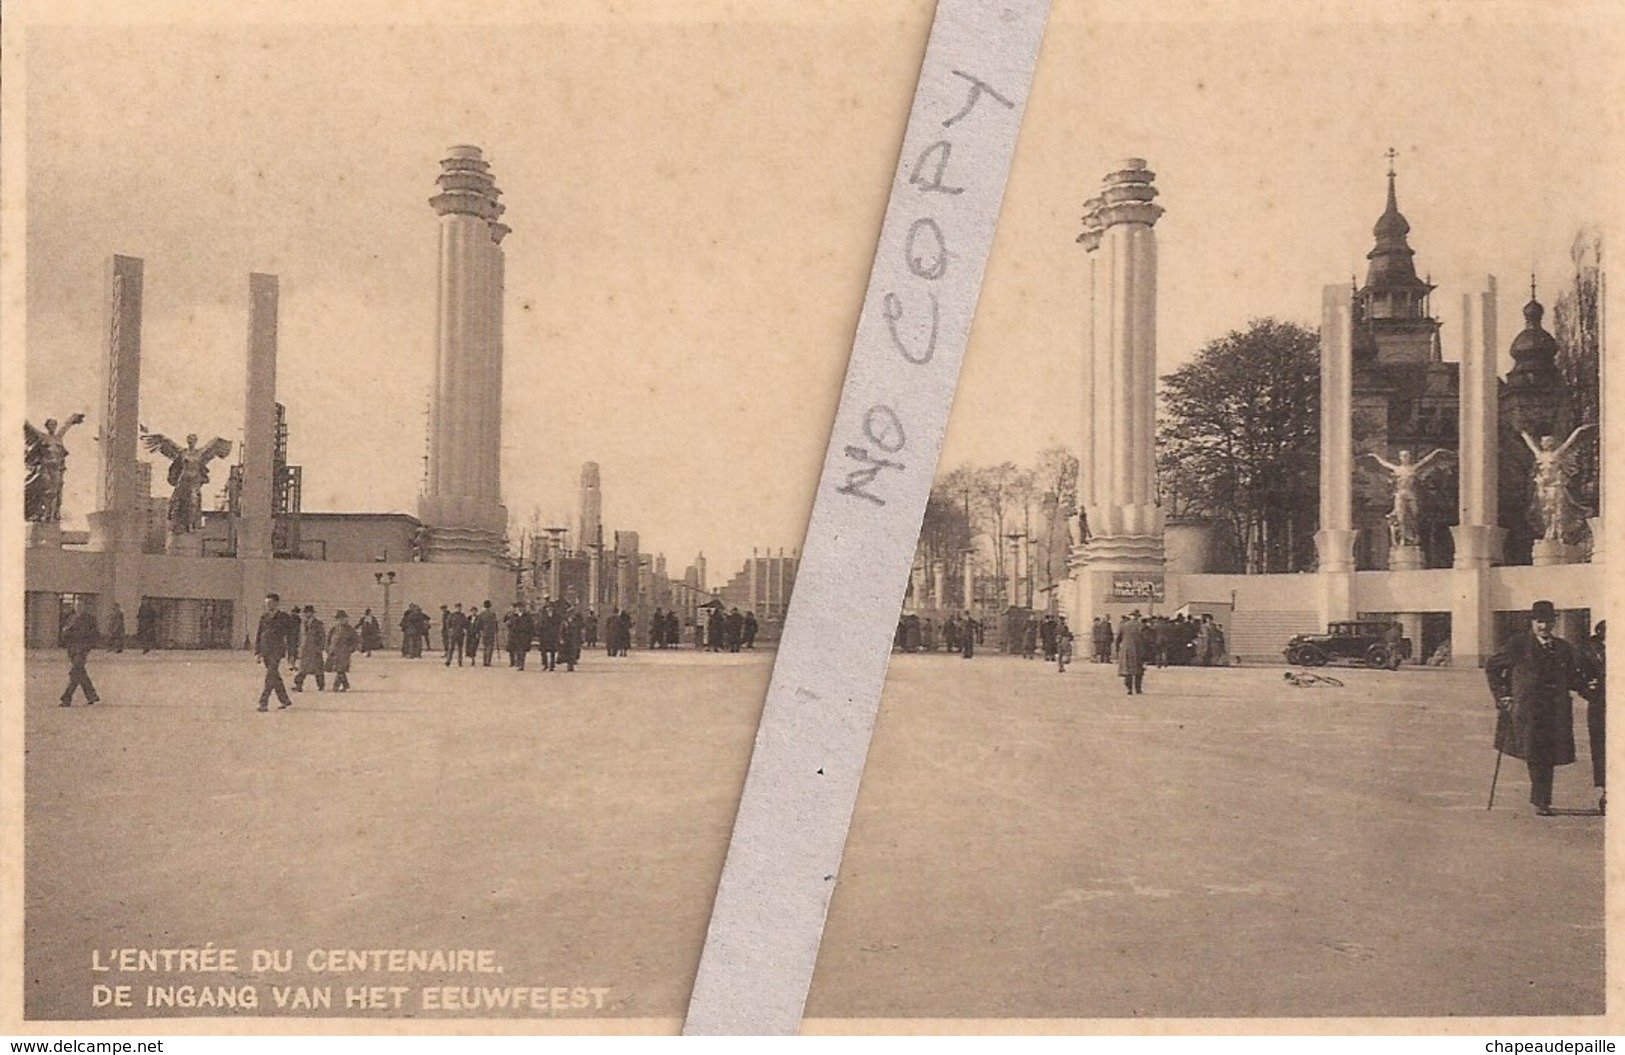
44,535
1477,546
187,545
1404,557
1549,551
1335,549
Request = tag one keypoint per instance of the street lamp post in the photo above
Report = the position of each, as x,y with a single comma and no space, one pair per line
555,554
386,579
1015,538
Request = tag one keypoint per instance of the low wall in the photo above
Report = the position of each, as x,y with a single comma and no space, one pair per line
1268,609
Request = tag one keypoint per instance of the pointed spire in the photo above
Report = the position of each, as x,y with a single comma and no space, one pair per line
1391,263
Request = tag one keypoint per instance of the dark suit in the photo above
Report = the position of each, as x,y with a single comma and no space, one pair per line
1594,653
79,637
273,642
486,621
1538,724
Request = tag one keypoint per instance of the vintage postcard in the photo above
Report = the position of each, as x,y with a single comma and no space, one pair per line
420,411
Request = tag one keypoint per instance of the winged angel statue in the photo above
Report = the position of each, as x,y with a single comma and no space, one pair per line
188,472
1555,509
47,460
1404,520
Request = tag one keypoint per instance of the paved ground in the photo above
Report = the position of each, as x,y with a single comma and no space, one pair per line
1046,845
1026,844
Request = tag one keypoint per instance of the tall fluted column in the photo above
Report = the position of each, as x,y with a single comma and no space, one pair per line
119,526
120,522
1124,519
256,512
1118,428
1334,542
1477,536
463,506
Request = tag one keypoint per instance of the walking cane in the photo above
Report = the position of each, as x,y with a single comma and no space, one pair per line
1500,716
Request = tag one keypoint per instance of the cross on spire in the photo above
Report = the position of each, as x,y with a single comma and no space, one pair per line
1391,155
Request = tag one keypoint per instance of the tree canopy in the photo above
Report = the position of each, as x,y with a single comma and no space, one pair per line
1238,442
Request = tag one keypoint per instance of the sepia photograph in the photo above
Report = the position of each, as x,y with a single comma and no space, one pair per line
421,416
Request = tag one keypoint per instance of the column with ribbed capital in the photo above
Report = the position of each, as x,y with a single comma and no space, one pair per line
1117,453
463,504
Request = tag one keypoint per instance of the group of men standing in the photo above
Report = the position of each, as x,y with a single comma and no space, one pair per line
960,634
146,627
472,633
665,630
730,631
1051,634
309,646
557,630
1179,641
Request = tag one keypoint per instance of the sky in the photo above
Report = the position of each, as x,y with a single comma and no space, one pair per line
695,195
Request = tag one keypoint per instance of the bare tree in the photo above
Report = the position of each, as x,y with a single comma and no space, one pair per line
1057,478
1576,324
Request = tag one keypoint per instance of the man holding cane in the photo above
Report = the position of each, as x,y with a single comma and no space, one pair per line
1531,677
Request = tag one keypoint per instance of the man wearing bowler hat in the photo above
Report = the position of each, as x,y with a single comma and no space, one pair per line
1531,677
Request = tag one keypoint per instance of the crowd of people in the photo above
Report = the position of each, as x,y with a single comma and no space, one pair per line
959,634
730,631
1532,676
1165,642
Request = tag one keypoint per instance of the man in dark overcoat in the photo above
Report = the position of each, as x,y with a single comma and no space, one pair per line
548,627
115,629
1134,641
570,639
487,622
146,625
272,644
311,644
79,636
521,632
1531,677
1593,651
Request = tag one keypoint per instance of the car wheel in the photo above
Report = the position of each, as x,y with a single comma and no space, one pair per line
1376,657
1308,656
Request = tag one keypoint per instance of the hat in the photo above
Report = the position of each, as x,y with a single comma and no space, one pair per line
341,614
1544,611
310,609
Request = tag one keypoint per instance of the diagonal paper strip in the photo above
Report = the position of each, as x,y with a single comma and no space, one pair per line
802,785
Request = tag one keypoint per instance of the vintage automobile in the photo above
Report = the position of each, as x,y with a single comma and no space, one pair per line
1352,641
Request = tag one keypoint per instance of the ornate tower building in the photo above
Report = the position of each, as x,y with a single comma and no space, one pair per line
462,503
1405,396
